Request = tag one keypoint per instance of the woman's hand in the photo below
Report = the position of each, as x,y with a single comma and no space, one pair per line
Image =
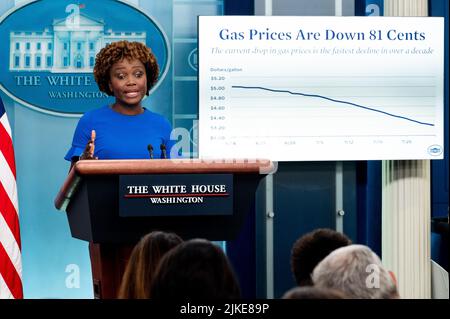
88,152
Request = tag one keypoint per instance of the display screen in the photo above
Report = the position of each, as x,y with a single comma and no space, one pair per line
321,88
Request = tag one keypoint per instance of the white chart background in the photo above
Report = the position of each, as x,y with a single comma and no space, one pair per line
321,99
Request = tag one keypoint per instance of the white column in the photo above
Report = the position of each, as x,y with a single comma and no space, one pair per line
406,203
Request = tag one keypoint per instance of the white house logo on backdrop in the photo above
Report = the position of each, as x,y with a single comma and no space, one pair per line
64,48
50,60
193,59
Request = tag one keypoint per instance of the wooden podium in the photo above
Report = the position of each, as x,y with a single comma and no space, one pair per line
99,211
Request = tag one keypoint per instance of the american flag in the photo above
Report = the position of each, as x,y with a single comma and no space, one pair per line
10,247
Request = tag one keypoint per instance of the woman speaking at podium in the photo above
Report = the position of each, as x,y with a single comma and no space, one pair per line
125,129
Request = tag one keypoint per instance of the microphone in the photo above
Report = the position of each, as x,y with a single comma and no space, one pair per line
163,151
150,150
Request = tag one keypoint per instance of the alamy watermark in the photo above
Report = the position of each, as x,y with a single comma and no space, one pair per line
187,139
73,277
373,279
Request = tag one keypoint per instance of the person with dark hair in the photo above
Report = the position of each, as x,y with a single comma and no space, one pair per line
124,129
147,253
310,249
311,292
195,270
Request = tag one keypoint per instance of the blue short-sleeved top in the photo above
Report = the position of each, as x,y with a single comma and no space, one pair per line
120,136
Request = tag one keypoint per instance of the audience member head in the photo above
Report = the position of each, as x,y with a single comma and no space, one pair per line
357,271
310,249
311,292
197,269
142,264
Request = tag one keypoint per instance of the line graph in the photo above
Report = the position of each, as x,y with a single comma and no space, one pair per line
319,100
330,99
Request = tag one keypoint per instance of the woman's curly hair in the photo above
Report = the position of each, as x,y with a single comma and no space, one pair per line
117,51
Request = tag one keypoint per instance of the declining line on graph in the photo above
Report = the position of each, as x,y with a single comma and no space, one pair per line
332,100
